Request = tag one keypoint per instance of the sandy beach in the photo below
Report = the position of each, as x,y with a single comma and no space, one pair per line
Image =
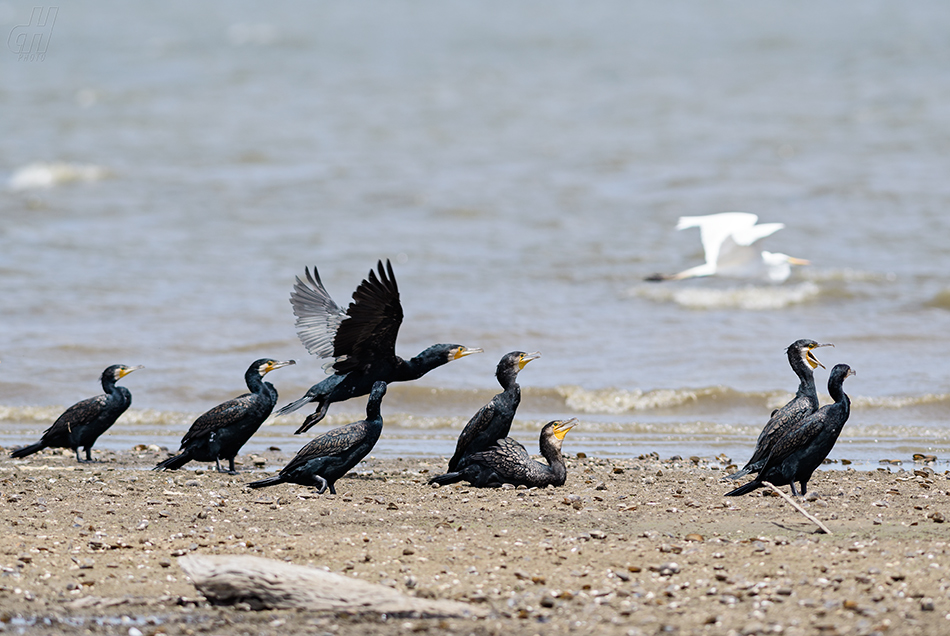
640,546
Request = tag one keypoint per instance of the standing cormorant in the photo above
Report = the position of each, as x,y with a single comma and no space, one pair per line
330,456
493,421
361,340
802,360
801,450
82,423
507,462
221,432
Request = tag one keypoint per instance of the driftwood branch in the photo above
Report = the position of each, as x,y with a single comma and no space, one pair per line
268,584
795,505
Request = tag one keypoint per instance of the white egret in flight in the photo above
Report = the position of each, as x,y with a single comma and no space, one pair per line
728,244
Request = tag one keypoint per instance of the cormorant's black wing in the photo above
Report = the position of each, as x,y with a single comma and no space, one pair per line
318,316
476,425
796,439
373,318
508,458
332,443
222,415
78,414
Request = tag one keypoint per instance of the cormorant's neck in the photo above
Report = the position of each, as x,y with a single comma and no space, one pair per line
555,459
507,378
108,383
254,380
416,367
836,390
806,376
373,412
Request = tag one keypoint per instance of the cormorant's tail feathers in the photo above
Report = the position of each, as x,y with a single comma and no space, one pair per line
28,450
739,473
745,488
174,463
447,478
270,481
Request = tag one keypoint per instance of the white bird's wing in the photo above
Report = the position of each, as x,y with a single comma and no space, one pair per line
749,235
714,229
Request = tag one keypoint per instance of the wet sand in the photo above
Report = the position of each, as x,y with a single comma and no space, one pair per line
641,546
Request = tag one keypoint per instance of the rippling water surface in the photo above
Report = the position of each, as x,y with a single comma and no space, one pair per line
167,174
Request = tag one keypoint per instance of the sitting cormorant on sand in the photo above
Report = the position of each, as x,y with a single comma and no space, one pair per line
82,423
802,360
221,432
330,456
493,421
802,450
361,340
507,462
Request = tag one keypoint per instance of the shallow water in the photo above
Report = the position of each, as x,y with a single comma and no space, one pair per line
166,177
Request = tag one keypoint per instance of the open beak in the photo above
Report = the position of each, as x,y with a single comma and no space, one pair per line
812,360
461,352
528,357
561,428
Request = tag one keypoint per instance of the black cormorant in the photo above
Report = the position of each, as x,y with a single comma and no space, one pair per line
507,462
802,360
361,340
493,421
82,423
221,432
801,450
331,455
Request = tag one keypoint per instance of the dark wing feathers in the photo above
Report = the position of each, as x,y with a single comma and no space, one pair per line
318,316
357,337
508,458
79,413
373,318
332,442
476,425
220,416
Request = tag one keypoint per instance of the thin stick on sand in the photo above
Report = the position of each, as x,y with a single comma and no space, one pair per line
815,521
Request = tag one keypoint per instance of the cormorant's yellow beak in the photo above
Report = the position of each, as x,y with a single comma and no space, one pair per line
561,428
124,371
810,356
527,357
798,261
273,364
461,352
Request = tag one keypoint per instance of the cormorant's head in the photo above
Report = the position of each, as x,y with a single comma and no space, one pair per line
266,365
512,363
839,372
556,430
803,349
118,371
455,351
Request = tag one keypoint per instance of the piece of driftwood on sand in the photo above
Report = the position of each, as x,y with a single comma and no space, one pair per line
268,584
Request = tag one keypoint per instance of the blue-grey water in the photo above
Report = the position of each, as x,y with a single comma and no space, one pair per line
167,169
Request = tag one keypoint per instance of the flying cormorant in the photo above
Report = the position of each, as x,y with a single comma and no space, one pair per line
507,462
802,360
361,340
493,421
330,456
82,423
802,450
221,432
